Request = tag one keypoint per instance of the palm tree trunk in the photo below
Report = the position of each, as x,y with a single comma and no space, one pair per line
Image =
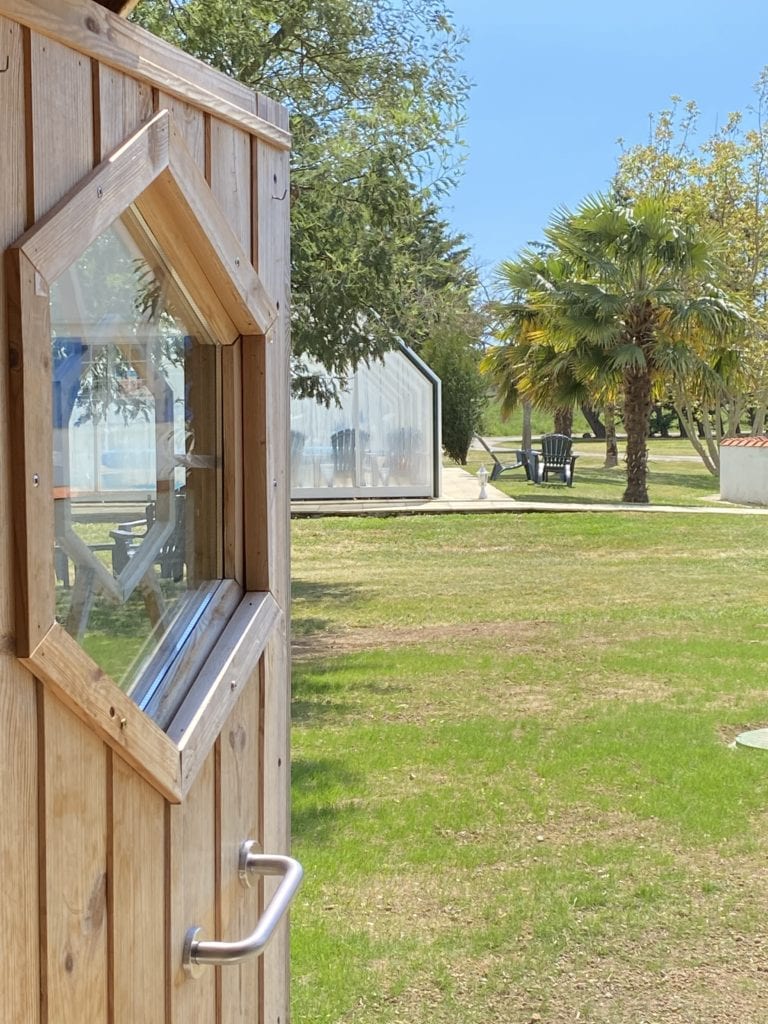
637,415
564,421
611,445
527,431
592,416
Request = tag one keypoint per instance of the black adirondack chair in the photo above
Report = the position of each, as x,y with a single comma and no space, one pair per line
504,465
555,457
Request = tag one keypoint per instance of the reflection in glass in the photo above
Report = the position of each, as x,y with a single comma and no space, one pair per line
137,460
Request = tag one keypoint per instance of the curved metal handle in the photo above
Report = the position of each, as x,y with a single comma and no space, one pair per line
198,952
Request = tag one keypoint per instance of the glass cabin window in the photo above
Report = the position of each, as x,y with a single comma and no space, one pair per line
137,429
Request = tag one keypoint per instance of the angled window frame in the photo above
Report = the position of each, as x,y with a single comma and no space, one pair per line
154,173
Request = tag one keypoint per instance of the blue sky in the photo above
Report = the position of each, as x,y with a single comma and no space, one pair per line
558,82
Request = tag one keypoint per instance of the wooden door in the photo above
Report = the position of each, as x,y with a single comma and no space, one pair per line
122,833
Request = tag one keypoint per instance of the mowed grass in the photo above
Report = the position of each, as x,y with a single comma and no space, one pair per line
515,795
676,475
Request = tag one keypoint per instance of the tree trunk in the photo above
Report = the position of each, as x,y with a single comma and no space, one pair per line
564,421
527,432
611,444
592,416
637,414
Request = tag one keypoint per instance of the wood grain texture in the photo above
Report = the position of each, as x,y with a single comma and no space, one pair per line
31,457
240,283
88,692
221,680
19,909
123,104
230,177
60,84
192,873
239,819
90,30
190,125
176,233
232,388
272,260
276,782
98,198
137,898
74,820
259,509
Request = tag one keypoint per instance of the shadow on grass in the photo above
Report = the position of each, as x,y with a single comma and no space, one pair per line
305,593
319,687
317,812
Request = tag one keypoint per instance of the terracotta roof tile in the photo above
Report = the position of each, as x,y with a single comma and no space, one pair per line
744,442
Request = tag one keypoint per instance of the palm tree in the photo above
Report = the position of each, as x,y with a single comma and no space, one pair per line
631,294
527,368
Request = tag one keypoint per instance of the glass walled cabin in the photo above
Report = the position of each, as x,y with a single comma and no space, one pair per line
383,441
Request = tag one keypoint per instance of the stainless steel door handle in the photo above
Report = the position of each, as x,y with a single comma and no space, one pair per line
199,952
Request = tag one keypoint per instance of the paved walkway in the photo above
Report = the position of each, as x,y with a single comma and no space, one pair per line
461,494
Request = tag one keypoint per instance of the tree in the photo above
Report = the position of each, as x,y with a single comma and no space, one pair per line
376,98
451,353
525,367
629,292
721,181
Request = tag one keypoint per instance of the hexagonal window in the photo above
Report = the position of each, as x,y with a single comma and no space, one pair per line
137,453
133,315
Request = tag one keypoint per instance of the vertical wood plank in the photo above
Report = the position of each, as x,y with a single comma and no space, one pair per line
19,915
230,177
62,123
259,506
73,762
73,819
122,106
137,898
272,261
240,816
232,387
192,899
30,406
191,125
276,825
19,908
229,171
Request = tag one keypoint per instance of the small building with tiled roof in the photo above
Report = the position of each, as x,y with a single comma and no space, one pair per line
744,470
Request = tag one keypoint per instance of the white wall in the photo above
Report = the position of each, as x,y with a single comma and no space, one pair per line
744,474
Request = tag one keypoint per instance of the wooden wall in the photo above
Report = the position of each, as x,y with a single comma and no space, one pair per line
102,876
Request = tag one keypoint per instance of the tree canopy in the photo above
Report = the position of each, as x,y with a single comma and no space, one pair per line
622,296
720,180
376,97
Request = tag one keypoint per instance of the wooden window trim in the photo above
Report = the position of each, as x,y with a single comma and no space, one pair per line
154,173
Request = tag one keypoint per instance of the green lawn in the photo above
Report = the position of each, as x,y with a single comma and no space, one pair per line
515,795
676,476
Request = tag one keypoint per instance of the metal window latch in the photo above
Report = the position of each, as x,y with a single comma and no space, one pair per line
200,952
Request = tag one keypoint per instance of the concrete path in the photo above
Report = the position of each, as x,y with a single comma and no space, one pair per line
461,492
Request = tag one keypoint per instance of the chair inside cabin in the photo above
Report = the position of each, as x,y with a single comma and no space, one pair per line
297,457
344,444
404,446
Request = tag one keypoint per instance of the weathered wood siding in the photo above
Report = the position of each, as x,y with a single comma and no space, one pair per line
102,874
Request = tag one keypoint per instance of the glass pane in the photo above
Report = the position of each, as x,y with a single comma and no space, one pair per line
137,460
379,440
